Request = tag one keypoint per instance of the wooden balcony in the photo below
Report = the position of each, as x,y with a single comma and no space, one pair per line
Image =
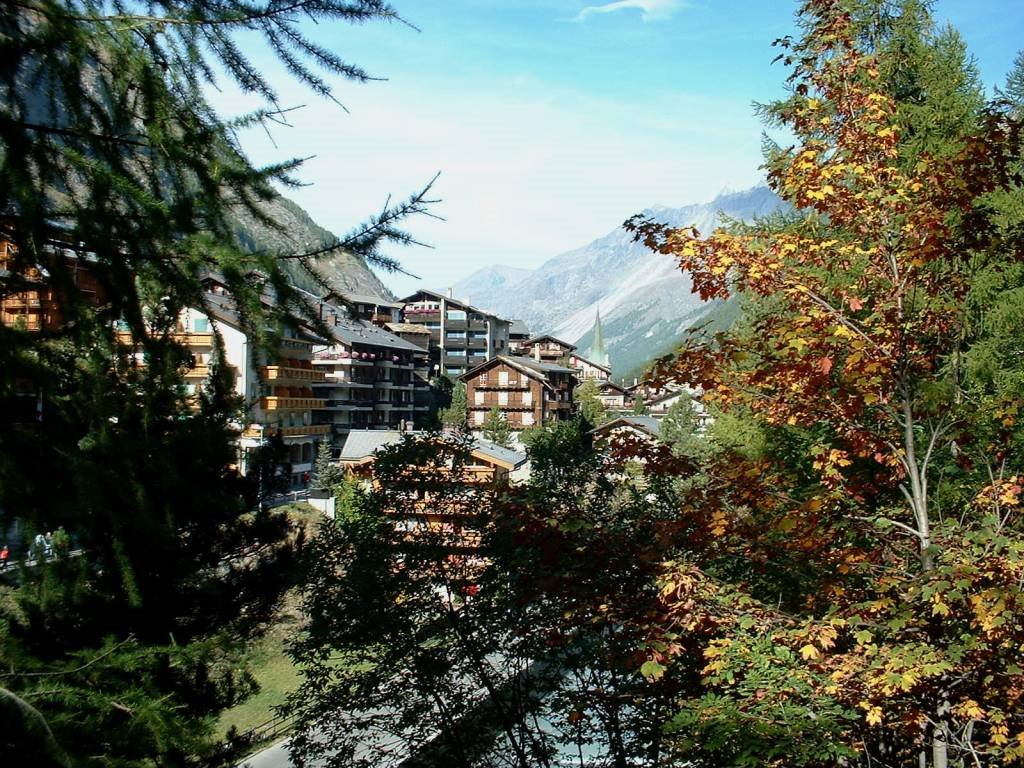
291,403
486,384
257,431
280,374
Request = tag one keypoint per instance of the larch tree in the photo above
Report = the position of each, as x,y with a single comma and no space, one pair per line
855,593
120,185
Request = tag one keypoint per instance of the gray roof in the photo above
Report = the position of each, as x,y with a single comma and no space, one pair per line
417,328
528,365
647,424
550,338
590,362
356,298
495,451
351,331
518,328
362,443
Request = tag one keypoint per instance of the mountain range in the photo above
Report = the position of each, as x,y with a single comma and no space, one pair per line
645,301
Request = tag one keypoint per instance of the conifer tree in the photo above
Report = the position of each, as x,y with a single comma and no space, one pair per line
116,166
496,428
326,471
454,415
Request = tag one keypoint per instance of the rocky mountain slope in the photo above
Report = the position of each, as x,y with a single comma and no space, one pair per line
344,271
645,301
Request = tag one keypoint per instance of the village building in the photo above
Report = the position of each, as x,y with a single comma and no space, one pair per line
588,370
373,309
518,335
548,348
488,467
371,378
461,336
646,428
525,390
612,396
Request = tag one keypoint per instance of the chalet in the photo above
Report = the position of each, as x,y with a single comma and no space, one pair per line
612,396
549,349
373,309
423,513
588,370
525,390
644,427
518,335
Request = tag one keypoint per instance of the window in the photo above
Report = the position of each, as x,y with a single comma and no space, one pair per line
478,397
455,314
433,325
502,378
201,325
452,371
503,398
527,419
528,397
455,336
478,417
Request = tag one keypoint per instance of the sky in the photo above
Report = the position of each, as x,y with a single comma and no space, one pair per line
549,121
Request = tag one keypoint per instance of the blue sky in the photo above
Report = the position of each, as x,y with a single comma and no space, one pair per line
551,121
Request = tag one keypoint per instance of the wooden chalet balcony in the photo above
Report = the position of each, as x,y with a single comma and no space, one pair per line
511,405
291,403
281,373
22,302
308,430
507,385
188,338
200,371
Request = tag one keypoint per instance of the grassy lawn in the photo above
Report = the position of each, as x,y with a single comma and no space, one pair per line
270,665
277,677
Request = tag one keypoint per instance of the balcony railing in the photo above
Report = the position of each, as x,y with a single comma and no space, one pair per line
257,431
291,403
278,373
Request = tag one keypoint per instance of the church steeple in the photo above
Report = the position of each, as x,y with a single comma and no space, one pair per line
598,354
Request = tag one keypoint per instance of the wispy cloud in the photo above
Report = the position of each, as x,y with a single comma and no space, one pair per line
651,10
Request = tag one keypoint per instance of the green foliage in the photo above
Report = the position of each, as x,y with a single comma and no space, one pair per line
456,413
496,428
590,408
682,430
123,188
640,407
327,473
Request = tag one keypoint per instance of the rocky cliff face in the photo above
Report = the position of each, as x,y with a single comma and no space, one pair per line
646,303
344,271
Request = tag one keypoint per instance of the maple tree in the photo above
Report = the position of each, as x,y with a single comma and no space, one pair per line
867,572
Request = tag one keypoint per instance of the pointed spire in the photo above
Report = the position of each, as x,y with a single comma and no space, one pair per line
598,354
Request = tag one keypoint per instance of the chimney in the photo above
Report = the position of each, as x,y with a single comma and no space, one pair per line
536,352
450,296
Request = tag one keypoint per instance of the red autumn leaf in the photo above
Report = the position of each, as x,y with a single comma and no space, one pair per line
825,364
856,303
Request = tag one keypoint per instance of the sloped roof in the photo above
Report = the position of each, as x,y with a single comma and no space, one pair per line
416,328
537,369
364,443
356,298
578,356
609,384
549,337
434,294
647,424
518,328
352,331
506,456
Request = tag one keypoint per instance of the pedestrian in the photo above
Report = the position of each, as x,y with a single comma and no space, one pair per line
5,555
48,544
38,547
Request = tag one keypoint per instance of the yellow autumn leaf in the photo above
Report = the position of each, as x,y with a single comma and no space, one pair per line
809,652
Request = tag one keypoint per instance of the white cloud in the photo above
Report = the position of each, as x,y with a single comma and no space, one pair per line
652,10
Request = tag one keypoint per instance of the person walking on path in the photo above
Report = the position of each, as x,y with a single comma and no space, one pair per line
5,555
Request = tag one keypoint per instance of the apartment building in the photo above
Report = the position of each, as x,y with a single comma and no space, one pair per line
372,378
462,336
527,391
374,309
